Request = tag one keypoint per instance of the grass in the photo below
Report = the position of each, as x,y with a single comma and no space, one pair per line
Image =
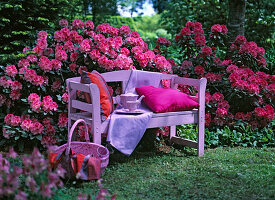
222,173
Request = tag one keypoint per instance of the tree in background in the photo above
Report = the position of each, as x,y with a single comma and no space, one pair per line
236,18
160,5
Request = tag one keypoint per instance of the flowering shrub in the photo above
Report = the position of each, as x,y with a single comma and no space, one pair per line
237,91
28,177
33,97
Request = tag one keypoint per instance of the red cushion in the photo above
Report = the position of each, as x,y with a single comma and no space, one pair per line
162,100
106,98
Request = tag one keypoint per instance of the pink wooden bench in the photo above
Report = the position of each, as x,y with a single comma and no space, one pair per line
171,119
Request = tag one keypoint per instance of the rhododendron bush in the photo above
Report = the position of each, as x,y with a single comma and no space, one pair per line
33,98
238,89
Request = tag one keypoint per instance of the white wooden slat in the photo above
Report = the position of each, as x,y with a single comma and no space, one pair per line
80,86
189,112
187,81
172,120
82,105
114,76
183,141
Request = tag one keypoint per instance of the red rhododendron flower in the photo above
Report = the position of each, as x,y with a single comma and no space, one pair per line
206,51
199,70
231,68
16,85
185,32
216,97
221,112
200,40
224,29
213,77
207,119
239,40
216,28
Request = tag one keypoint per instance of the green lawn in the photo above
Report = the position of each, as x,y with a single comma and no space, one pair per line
223,173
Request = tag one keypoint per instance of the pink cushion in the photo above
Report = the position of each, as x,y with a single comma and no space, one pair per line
161,100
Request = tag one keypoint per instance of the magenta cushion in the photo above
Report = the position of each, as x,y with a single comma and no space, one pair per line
161,100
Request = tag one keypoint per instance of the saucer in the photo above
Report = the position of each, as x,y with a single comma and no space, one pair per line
126,111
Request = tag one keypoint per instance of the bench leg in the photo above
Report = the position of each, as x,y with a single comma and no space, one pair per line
172,131
200,139
96,135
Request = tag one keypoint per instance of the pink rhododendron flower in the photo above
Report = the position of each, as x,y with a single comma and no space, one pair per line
56,64
8,119
23,63
125,31
29,75
2,99
15,95
73,56
61,55
95,54
15,121
63,23
69,46
223,104
85,46
78,24
89,25
36,106
73,67
26,124
5,82
48,104
11,70
32,58
134,34
36,128
65,97
38,80
45,64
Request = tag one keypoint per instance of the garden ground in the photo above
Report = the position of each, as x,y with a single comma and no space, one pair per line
222,173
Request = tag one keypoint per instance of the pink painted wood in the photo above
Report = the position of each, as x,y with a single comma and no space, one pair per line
172,119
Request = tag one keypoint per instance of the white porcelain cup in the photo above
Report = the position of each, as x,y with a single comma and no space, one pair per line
132,105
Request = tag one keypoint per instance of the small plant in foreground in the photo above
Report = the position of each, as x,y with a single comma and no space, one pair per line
28,177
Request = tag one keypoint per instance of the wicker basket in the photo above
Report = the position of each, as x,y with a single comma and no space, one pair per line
86,148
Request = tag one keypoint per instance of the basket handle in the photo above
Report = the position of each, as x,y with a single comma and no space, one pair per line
71,133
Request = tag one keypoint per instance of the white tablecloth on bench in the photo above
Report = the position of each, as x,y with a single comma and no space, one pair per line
125,131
